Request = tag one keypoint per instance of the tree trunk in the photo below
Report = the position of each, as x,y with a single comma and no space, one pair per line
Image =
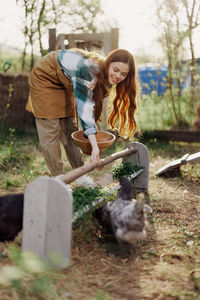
39,26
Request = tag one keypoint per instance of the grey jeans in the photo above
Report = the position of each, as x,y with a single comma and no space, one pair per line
53,131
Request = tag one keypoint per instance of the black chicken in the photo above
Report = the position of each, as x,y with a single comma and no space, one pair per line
11,216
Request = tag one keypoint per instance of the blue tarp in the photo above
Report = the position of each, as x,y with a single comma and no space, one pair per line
152,78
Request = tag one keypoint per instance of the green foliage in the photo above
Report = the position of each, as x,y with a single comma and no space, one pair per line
84,196
124,169
156,113
14,60
101,295
29,277
16,161
83,16
11,158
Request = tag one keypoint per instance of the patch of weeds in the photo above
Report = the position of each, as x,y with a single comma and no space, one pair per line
13,159
145,256
190,296
86,200
10,183
29,277
177,222
101,295
11,155
191,172
155,220
84,229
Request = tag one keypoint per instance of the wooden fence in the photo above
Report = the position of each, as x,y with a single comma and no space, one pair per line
14,90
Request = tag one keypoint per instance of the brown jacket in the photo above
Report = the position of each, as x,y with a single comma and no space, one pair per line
51,93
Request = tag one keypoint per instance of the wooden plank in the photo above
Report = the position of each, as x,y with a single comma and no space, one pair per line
193,157
85,36
178,162
52,39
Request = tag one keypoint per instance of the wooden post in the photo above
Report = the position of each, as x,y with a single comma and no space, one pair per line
60,43
114,38
52,39
106,43
110,41
47,220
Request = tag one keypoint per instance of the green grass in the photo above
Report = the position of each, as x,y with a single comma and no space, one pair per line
155,112
21,161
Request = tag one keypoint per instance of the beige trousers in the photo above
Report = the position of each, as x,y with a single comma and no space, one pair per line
53,131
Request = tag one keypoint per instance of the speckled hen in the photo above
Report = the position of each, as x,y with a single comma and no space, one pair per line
125,217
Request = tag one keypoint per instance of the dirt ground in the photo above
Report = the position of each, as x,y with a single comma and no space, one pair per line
165,266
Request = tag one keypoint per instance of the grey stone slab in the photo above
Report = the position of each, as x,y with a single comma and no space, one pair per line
47,220
140,158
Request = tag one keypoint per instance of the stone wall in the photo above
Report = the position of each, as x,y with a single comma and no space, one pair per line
14,90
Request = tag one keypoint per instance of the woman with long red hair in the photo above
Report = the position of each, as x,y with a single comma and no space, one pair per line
66,81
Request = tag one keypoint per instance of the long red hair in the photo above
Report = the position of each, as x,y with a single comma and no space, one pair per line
124,103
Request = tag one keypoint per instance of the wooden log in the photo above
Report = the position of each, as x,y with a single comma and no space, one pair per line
52,39
74,174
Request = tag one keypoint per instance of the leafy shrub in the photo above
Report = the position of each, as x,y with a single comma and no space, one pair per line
84,196
124,169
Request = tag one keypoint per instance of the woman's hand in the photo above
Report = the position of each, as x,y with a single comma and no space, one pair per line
95,153
95,149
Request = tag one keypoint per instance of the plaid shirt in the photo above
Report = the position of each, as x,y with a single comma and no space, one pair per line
80,71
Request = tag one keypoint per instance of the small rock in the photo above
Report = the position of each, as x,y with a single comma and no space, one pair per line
190,243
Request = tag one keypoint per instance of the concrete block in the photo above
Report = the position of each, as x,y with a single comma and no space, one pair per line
140,158
47,220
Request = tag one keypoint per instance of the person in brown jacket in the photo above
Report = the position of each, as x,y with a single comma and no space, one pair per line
68,81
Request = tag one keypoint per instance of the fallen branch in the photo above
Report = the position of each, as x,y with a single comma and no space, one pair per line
74,174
